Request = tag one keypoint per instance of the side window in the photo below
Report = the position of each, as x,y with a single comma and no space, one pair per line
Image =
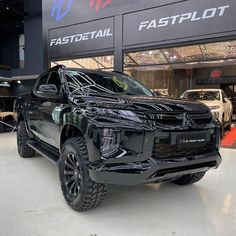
54,78
42,80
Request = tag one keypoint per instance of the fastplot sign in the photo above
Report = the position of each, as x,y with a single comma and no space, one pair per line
179,21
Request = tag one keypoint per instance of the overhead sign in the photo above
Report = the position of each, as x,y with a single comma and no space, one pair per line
71,40
76,38
61,8
185,17
179,21
58,13
224,80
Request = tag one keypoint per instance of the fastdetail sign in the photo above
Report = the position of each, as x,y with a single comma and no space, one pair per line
76,38
71,40
180,21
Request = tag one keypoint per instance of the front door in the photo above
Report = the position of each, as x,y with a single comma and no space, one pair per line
44,114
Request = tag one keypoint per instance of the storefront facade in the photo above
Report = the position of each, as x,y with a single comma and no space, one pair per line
81,27
116,34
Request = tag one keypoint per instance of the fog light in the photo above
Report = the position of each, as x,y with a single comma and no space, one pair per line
110,141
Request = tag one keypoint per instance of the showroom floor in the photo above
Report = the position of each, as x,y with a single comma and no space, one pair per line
31,203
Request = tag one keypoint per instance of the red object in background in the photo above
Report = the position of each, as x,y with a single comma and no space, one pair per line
229,139
99,4
216,74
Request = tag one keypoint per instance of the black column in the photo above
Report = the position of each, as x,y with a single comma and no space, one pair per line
118,57
33,37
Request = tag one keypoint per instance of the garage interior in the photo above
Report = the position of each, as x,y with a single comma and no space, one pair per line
31,201
170,72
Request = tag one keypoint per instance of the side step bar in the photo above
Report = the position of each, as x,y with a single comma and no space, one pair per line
51,154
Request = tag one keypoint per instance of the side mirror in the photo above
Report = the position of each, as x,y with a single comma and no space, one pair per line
48,90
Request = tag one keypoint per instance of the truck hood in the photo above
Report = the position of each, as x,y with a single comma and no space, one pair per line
158,104
142,112
212,103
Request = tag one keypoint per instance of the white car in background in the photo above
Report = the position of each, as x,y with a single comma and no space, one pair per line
216,99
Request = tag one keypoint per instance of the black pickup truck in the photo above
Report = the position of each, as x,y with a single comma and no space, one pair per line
106,128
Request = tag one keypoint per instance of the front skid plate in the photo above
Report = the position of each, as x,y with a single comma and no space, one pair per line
160,171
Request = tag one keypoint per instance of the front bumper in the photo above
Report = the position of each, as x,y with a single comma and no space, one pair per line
155,156
154,170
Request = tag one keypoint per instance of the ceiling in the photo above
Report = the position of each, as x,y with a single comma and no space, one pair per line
204,55
11,18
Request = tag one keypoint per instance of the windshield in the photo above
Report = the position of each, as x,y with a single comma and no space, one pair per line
202,95
104,82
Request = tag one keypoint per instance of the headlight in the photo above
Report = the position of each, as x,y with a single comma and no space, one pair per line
110,141
216,115
214,107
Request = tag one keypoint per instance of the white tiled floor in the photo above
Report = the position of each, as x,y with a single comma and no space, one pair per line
31,203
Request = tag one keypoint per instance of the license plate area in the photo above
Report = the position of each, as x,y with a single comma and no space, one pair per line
190,139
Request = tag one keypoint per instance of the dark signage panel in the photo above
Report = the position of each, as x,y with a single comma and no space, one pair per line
179,21
58,13
225,80
72,40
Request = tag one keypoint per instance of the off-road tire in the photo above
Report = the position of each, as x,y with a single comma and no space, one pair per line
90,194
24,150
189,179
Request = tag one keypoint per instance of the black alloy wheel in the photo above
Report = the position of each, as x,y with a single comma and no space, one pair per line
72,175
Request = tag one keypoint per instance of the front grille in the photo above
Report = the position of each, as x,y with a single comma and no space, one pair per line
203,118
175,118
165,119
164,150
